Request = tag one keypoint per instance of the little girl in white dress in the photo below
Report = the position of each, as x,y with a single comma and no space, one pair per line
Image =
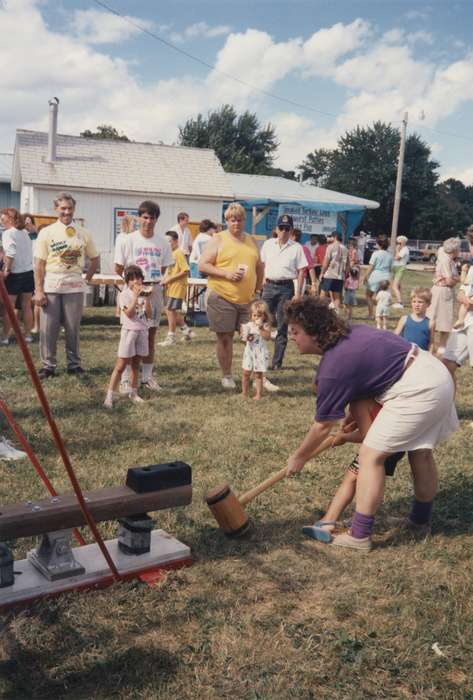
255,333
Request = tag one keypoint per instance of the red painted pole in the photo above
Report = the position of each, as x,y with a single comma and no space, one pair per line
34,460
54,429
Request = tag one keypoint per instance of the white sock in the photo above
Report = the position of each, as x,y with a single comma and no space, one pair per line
126,375
146,372
171,334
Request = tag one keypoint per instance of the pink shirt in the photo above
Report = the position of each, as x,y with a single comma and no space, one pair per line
138,322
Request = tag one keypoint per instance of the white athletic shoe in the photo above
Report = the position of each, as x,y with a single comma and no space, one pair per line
269,386
228,383
152,384
274,334
136,399
169,340
398,305
8,452
108,403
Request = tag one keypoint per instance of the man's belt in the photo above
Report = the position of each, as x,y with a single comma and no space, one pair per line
280,282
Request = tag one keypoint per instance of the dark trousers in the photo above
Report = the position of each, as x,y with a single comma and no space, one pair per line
276,296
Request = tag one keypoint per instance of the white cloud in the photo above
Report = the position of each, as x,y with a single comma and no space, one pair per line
463,174
323,49
420,37
199,30
95,27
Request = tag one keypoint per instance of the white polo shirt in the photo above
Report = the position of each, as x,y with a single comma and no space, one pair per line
282,262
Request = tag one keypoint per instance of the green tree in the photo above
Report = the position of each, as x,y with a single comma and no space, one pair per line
364,164
241,144
105,131
448,212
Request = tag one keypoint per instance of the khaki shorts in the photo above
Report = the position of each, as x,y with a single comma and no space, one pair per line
223,316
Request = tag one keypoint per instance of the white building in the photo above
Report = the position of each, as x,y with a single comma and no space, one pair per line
110,178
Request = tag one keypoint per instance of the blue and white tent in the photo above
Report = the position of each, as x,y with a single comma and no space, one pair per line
314,209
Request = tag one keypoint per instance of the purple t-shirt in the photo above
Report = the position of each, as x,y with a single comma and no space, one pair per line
362,365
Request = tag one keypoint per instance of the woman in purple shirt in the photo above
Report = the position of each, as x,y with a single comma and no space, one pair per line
416,393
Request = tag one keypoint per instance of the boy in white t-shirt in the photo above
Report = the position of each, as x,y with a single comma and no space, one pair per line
383,299
152,253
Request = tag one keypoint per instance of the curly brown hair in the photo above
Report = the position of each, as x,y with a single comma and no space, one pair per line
318,320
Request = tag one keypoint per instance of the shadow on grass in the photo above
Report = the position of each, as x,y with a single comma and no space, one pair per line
129,671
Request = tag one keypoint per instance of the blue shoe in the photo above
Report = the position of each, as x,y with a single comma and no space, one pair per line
317,532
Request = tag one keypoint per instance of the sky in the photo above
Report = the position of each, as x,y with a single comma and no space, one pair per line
313,69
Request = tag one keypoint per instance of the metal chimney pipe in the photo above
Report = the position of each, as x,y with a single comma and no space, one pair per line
52,135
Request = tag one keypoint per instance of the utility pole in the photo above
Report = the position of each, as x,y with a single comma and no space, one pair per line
397,195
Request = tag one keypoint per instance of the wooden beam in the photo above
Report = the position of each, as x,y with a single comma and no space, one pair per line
61,512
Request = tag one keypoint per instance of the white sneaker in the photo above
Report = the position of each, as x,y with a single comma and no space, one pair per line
169,340
152,384
188,332
274,334
108,403
8,452
228,383
269,386
136,399
398,305
5,341
124,388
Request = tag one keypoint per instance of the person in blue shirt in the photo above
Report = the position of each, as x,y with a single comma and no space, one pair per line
416,327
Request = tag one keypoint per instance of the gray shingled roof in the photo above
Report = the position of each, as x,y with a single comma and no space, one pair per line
6,165
118,165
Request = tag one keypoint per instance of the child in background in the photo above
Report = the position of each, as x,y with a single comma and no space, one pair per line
352,281
416,327
363,412
136,308
383,299
464,308
255,333
175,281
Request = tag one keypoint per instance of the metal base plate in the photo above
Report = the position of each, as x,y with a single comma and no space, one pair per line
29,584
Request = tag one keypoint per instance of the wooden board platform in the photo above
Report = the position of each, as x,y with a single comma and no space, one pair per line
63,511
166,552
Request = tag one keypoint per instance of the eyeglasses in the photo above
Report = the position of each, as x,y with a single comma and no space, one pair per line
284,228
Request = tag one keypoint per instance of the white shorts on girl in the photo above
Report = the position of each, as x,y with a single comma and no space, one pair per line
418,410
133,343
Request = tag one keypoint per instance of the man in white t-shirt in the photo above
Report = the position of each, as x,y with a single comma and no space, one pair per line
59,256
152,253
183,231
460,342
284,268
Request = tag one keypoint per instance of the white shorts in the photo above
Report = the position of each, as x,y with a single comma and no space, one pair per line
133,344
460,346
418,410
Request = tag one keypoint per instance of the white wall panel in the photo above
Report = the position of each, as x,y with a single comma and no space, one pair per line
97,209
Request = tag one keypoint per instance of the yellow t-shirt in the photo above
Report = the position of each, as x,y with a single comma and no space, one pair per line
232,253
63,248
178,288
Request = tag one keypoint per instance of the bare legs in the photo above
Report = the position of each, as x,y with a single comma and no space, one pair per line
245,384
225,352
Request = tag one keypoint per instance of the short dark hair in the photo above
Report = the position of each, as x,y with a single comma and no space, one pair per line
322,238
149,207
205,225
296,234
382,241
172,234
318,320
335,235
29,216
133,272
182,215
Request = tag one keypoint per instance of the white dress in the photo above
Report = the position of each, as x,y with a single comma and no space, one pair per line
255,355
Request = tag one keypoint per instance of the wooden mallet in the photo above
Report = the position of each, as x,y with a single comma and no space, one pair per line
228,510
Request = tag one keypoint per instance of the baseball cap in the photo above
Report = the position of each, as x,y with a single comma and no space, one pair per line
286,220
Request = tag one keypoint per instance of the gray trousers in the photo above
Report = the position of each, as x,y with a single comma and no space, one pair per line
65,309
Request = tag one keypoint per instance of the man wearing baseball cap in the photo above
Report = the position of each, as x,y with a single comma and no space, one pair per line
284,269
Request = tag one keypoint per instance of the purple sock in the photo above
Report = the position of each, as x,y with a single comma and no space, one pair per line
362,525
421,512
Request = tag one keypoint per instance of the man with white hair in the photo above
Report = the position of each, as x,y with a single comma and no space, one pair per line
60,252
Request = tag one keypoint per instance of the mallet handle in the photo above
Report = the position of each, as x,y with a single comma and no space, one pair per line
252,493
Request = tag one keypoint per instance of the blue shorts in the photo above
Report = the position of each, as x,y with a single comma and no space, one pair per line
349,297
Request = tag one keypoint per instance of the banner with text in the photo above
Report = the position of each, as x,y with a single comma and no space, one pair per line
310,220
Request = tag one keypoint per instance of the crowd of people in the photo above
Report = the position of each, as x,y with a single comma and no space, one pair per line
398,393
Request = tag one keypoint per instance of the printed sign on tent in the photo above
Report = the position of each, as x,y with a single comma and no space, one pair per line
311,220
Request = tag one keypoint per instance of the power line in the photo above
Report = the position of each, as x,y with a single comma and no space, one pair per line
272,95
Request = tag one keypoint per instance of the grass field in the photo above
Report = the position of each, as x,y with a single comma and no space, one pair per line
271,616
